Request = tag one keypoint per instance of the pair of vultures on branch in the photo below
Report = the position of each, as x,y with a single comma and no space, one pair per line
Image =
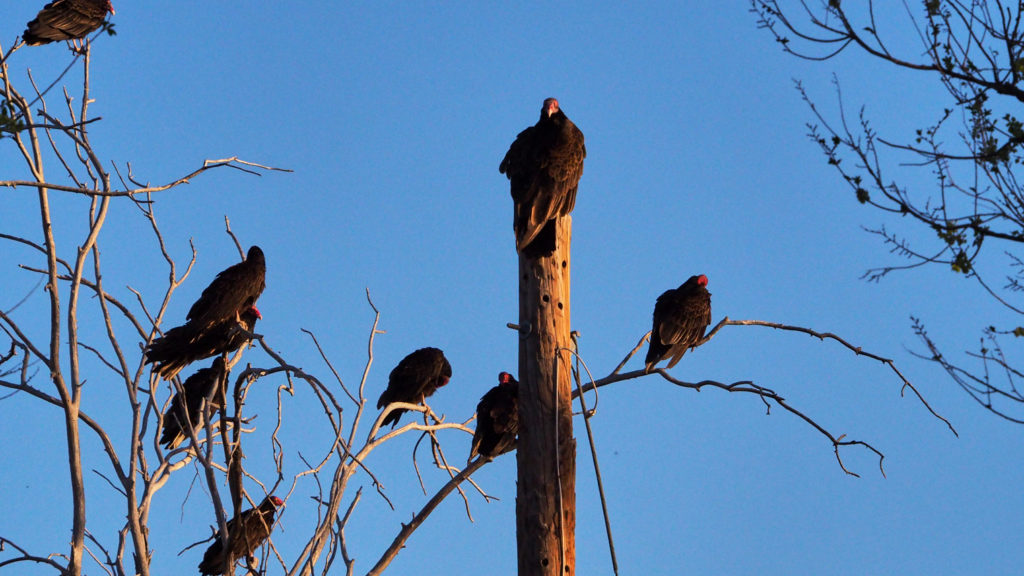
421,373
544,165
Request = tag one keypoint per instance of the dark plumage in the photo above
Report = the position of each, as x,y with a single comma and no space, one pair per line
66,20
181,346
256,524
415,378
544,165
497,419
196,388
211,320
233,290
680,318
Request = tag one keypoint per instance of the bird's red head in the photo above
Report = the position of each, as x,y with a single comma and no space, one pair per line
550,108
277,501
505,378
256,310
110,7
702,280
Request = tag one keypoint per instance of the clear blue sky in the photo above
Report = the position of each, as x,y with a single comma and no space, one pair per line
394,119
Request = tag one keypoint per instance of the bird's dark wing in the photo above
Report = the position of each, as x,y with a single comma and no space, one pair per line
497,421
505,415
684,326
484,433
256,529
565,167
518,161
65,20
659,347
181,346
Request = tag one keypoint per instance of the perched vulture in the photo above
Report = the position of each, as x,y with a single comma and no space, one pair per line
66,20
256,524
181,346
415,378
210,325
235,289
544,165
680,318
497,419
196,388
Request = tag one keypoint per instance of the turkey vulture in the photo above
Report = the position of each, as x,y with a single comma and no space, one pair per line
181,346
544,165
415,378
256,524
66,20
196,388
497,419
232,291
680,318
211,320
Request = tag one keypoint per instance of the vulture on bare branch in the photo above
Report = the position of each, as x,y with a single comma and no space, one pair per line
255,523
680,318
497,419
415,378
189,403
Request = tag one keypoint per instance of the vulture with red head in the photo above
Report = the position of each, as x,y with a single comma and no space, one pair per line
680,318
186,406
497,419
415,378
252,530
66,20
211,327
544,166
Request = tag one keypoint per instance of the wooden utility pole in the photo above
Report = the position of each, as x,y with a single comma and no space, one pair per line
546,453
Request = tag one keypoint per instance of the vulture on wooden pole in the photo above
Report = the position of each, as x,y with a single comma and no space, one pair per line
543,165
